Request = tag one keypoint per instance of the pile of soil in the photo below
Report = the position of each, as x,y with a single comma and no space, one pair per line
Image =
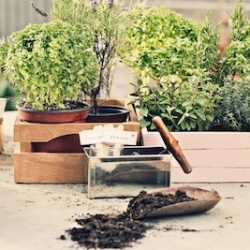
108,231
144,203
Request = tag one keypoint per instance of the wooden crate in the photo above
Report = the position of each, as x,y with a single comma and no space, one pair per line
214,156
43,167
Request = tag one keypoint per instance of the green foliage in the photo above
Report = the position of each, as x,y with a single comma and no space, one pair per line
50,62
238,23
151,36
234,107
178,55
182,106
107,23
235,60
72,12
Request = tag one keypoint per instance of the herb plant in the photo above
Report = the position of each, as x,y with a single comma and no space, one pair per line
234,107
106,20
178,55
50,63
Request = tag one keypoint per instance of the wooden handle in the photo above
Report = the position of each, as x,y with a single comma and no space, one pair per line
172,144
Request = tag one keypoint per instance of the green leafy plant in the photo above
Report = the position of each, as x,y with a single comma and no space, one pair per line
106,20
49,63
235,59
233,109
178,55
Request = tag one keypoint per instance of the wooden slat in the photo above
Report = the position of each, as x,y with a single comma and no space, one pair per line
202,140
216,175
34,132
25,146
50,168
234,158
213,140
214,156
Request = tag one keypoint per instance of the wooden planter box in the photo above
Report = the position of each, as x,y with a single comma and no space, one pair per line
214,156
43,167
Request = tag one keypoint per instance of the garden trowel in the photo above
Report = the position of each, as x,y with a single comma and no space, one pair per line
172,144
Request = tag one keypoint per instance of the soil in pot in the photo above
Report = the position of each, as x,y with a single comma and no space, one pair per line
109,231
108,114
77,112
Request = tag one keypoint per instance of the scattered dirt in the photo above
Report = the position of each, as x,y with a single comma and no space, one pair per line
106,231
109,231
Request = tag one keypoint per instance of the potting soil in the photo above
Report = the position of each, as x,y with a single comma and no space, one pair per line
109,231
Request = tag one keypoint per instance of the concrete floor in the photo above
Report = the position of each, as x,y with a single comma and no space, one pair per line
35,216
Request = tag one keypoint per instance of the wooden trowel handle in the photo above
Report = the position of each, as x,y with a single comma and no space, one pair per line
172,144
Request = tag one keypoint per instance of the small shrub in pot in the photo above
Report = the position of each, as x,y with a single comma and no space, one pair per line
178,55
50,63
106,20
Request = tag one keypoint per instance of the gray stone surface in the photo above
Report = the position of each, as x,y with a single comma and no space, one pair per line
34,217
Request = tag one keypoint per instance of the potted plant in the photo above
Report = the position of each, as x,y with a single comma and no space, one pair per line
194,83
67,65
105,19
49,64
178,55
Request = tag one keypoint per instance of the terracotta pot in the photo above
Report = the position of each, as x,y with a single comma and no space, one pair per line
108,114
64,144
62,116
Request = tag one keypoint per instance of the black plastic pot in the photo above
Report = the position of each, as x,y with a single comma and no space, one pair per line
108,114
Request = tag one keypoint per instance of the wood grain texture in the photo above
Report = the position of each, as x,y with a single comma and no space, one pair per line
211,175
214,156
38,167
50,168
38,132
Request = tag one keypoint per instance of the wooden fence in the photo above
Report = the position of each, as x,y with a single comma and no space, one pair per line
16,14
